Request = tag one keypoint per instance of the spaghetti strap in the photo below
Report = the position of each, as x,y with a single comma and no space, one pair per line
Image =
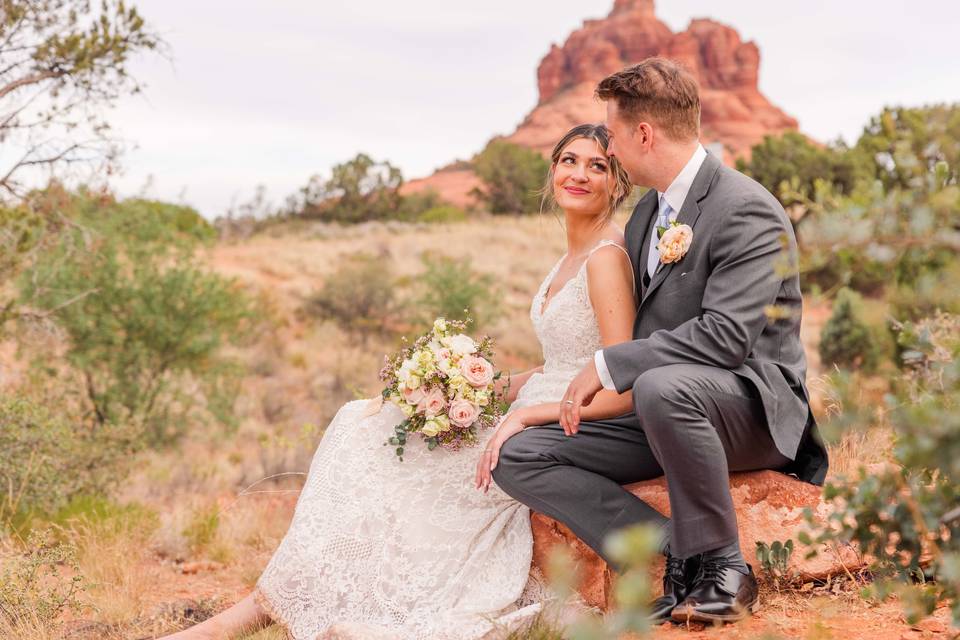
606,243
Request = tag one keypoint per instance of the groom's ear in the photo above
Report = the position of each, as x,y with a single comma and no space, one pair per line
643,133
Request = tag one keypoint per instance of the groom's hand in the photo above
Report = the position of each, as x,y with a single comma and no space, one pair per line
580,393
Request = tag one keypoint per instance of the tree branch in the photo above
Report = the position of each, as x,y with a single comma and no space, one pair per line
28,80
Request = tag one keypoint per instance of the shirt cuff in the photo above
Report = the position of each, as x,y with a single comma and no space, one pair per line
603,372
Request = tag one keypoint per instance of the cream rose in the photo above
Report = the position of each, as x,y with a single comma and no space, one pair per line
463,413
435,426
674,243
478,371
461,344
433,403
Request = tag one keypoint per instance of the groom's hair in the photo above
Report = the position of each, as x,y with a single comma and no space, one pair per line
658,90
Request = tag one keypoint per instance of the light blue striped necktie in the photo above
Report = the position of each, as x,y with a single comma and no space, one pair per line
663,220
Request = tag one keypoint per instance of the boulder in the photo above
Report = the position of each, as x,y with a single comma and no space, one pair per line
769,507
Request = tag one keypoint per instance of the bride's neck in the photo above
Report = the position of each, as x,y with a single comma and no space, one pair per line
582,233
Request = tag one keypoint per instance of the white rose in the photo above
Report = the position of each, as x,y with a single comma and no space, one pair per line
461,344
440,325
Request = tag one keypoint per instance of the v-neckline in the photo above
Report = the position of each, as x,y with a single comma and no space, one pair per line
547,298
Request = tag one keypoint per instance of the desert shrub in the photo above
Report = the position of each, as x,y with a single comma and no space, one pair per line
428,206
904,512
790,165
512,177
358,190
145,323
34,585
885,239
846,339
359,296
450,288
906,143
443,213
45,462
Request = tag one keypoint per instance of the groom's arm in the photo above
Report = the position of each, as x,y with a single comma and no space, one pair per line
744,249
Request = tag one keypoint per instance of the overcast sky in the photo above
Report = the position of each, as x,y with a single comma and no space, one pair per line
271,92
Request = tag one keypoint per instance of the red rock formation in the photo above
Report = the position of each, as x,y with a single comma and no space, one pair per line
769,507
735,115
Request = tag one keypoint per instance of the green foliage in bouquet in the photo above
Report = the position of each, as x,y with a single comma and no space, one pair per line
512,177
907,516
145,322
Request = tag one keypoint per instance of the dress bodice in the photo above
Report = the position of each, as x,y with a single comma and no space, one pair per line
568,333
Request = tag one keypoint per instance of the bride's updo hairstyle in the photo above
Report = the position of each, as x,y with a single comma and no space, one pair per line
597,132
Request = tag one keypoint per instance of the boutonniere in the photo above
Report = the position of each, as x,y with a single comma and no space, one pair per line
674,241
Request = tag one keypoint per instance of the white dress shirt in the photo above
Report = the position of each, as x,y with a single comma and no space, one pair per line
674,196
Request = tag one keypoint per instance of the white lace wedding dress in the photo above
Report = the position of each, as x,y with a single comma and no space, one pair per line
380,548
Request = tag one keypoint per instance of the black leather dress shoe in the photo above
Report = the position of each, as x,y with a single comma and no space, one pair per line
678,576
720,593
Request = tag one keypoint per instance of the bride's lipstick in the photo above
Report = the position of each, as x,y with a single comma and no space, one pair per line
577,191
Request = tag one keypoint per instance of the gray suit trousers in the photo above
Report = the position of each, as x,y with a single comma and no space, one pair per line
692,423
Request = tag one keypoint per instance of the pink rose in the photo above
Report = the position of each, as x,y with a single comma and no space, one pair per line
477,371
413,396
463,413
433,403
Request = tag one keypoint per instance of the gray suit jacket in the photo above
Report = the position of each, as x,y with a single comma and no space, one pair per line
710,307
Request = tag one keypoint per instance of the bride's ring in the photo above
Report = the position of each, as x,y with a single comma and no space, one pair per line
569,401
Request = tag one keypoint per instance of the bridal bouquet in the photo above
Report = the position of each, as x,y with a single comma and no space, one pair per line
444,385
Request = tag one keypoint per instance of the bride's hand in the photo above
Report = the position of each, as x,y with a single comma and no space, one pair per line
512,424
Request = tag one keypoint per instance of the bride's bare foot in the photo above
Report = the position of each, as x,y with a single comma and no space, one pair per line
245,615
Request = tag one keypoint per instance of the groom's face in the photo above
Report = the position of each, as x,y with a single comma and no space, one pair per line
625,145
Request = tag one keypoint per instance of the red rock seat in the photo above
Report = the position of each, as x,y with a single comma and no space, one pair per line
769,507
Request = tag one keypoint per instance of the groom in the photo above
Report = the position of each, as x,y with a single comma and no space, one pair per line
717,380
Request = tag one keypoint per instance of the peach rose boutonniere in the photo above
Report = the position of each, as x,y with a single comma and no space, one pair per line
675,241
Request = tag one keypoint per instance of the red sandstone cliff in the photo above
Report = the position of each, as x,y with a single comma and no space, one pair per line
735,115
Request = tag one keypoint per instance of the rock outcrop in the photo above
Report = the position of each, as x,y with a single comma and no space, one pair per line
735,115
769,507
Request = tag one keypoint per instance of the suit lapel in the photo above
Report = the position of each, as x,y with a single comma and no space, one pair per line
639,239
688,215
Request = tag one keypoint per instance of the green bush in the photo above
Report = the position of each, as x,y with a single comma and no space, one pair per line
145,322
359,296
45,462
38,584
907,511
512,177
790,165
451,288
443,213
358,190
846,339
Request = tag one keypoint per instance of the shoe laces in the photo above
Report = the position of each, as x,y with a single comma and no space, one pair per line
711,569
674,570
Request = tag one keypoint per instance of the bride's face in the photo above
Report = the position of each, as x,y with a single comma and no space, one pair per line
582,180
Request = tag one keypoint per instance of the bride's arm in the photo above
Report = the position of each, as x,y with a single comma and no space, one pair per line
511,383
610,281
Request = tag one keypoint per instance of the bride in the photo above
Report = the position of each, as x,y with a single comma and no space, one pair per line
380,548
